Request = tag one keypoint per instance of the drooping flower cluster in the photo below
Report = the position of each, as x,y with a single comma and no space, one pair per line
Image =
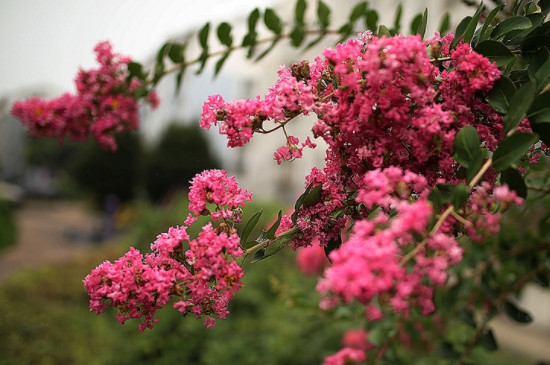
201,274
105,104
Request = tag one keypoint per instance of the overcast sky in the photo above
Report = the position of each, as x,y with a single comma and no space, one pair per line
44,42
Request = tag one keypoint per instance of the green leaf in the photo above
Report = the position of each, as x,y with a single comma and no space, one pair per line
445,24
135,69
249,226
514,180
203,36
466,28
543,75
460,30
273,247
466,146
501,94
495,52
486,30
422,26
397,20
220,63
448,193
534,43
332,245
299,11
529,8
383,31
509,25
539,112
357,11
415,23
297,36
488,341
312,197
544,6
467,151
271,231
323,14
272,21
224,34
517,314
345,30
371,20
519,105
176,52
512,149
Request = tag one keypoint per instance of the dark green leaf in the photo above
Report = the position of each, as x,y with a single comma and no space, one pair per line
357,11
258,255
220,63
332,245
323,14
271,231
345,30
272,21
495,51
423,22
514,180
544,6
445,23
203,36
224,34
460,30
158,72
539,112
162,52
249,226
534,43
371,20
485,29
501,94
397,20
202,61
315,41
299,203
509,25
543,130
512,149
519,105
544,226
273,248
488,341
517,314
466,146
253,19
297,36
313,197
415,23
459,196
543,74
299,11
176,52
135,69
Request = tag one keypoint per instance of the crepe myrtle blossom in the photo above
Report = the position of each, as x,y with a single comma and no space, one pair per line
105,104
200,274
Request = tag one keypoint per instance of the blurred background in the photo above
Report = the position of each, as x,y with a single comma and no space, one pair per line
64,208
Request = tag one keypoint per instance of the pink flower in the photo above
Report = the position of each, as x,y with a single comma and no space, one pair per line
345,356
357,339
312,260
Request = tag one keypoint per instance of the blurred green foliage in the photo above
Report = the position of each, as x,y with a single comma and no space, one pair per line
181,153
8,229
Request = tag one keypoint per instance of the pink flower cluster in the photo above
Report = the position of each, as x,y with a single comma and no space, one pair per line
345,356
105,104
312,260
201,274
368,268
